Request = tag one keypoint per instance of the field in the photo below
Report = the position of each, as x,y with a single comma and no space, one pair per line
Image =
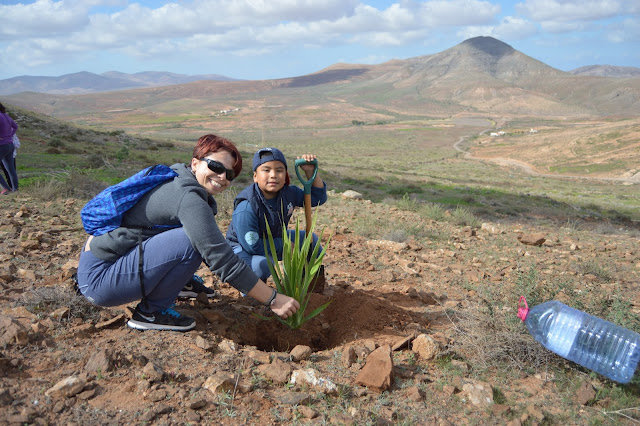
434,248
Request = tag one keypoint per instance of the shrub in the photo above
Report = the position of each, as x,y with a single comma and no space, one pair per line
300,265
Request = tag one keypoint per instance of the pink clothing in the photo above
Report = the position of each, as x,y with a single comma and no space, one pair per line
8,128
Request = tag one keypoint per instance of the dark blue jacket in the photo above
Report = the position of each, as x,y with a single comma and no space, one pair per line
276,211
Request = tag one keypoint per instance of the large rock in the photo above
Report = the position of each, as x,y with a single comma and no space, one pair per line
377,373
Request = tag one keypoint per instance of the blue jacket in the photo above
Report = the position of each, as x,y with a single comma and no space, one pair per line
248,228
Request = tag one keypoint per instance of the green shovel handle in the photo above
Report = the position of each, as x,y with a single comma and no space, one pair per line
306,183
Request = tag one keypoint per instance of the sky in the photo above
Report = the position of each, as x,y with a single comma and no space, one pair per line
266,39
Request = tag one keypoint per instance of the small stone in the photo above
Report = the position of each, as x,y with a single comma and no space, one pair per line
152,372
301,352
203,343
220,382
415,394
68,386
348,356
425,346
307,412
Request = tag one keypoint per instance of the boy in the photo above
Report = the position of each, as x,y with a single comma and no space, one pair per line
270,195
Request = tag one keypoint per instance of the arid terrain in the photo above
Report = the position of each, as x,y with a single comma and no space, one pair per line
480,175
472,365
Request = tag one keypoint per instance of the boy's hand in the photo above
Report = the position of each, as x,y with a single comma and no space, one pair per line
308,168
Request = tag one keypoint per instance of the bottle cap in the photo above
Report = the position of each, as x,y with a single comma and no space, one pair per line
523,311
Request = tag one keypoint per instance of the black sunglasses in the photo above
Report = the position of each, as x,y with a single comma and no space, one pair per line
217,167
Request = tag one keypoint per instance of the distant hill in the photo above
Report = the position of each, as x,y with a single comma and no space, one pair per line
607,71
86,82
481,75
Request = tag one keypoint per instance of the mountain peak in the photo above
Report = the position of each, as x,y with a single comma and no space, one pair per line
488,45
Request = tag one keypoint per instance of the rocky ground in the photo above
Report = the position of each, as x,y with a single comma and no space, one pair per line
406,339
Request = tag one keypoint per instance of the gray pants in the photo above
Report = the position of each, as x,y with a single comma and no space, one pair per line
169,261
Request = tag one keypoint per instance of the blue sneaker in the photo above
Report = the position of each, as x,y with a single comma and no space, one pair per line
167,319
196,286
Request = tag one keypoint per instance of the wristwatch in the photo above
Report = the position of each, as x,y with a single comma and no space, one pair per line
272,299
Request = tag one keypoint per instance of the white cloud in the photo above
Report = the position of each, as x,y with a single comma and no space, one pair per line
42,18
575,10
557,27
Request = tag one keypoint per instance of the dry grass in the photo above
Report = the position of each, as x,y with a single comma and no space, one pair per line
496,339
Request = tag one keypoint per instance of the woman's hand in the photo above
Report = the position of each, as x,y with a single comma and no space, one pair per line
284,306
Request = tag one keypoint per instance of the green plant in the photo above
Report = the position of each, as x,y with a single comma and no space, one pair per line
300,264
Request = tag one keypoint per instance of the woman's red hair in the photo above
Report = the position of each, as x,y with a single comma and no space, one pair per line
209,144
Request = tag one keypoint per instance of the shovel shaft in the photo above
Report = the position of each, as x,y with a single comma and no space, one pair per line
307,212
306,183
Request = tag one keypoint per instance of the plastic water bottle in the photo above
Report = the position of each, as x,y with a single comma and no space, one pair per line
592,342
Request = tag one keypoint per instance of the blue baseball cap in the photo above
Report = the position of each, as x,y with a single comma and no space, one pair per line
265,155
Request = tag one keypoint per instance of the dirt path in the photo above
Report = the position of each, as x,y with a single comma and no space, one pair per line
528,169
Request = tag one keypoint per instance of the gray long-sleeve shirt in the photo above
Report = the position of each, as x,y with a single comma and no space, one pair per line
181,201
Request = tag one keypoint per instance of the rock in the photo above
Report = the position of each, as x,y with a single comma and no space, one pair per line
197,404
492,229
370,345
390,246
536,239
154,412
152,372
377,374
60,313
426,347
110,322
415,394
278,372
309,376
479,394
301,352
585,393
353,195
403,342
99,362
5,397
228,346
307,412
220,382
86,395
258,357
295,398
27,274
12,332
204,344
68,386
348,356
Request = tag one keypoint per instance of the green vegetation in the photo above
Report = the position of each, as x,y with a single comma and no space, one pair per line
300,265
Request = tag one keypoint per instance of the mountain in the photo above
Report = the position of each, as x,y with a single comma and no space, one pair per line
607,71
86,82
481,75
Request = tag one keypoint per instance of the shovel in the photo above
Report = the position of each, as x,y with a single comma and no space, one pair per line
318,282
307,188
